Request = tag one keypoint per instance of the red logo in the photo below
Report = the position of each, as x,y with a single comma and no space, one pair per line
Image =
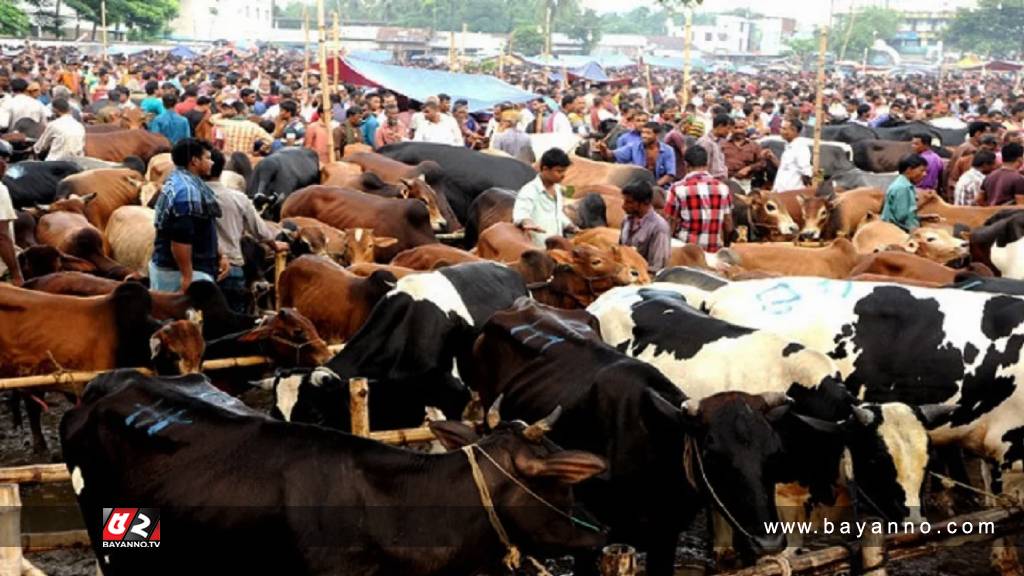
131,528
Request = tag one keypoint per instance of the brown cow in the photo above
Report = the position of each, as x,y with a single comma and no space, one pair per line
826,218
929,203
97,333
590,272
503,242
834,261
367,268
116,146
432,257
129,237
319,238
66,229
428,173
584,172
158,168
764,215
406,188
608,239
689,255
337,171
113,189
935,244
904,266
335,300
407,221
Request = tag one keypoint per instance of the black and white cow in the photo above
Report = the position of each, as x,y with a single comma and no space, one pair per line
903,344
975,283
999,244
704,356
407,349
308,500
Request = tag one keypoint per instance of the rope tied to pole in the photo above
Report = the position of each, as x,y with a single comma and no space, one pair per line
512,558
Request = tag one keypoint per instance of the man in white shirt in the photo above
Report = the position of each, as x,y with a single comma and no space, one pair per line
64,137
539,204
8,259
435,129
21,106
795,168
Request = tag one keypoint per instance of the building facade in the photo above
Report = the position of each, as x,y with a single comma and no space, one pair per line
223,20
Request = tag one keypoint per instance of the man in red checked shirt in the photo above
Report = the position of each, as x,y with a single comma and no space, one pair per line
699,207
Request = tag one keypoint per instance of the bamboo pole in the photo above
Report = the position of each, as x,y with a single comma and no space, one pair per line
359,406
34,474
687,42
280,260
462,48
650,88
451,51
336,36
10,529
47,541
103,23
305,48
324,86
819,106
403,436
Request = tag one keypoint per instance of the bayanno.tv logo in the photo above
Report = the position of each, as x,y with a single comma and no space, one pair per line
131,527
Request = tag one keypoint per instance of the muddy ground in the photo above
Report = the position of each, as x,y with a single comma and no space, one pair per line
52,508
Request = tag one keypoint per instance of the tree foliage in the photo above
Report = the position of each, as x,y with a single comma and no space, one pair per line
641,20
13,21
527,40
854,33
993,28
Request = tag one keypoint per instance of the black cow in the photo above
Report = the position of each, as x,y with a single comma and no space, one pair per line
494,205
34,182
467,173
975,283
835,156
319,501
536,358
280,174
999,244
847,132
406,348
905,132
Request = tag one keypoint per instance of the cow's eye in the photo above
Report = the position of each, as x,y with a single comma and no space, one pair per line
931,239
770,207
595,262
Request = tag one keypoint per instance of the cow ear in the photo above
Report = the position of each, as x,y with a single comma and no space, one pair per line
384,241
195,316
568,466
452,434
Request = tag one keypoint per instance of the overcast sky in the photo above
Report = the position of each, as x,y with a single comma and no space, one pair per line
804,10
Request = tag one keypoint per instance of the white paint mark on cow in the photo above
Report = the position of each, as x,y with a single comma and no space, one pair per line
358,234
436,289
1009,259
77,482
906,441
288,395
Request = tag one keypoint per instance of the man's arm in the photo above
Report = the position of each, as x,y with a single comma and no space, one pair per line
660,250
806,168
670,170
7,254
727,229
981,198
523,209
44,141
183,258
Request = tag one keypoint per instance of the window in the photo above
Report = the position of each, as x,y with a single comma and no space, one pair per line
708,36
722,36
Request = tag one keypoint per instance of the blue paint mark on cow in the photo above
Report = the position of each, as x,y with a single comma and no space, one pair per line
778,299
838,288
153,420
533,332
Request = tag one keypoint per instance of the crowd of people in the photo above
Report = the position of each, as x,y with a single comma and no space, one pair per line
694,144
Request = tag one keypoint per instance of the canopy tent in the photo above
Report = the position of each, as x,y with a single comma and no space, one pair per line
994,66
378,56
481,91
591,72
696,63
182,51
576,61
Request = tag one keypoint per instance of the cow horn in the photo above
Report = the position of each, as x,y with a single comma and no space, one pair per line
538,429
934,415
864,416
775,399
264,384
494,414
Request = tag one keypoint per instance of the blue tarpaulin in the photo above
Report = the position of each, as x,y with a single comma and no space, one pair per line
674,63
591,72
378,56
574,61
182,51
481,91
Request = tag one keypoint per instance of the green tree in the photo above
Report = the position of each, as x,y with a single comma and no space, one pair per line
526,40
586,28
856,32
993,28
641,20
13,21
802,48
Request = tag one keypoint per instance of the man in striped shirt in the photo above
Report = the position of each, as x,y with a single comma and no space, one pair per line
699,207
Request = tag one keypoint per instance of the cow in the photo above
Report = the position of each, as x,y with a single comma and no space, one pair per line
764,215
597,205
31,182
608,239
279,175
836,157
579,277
40,260
905,132
407,221
465,173
406,348
311,236
833,261
901,266
432,257
113,189
335,300
422,181
846,132
116,146
66,229
298,490
829,216
129,237
904,344
583,173
697,353
338,169
935,244
159,168
490,207
534,359
999,244
98,333
929,203
368,268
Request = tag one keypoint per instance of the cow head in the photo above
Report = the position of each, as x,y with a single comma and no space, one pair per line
935,244
73,203
290,339
132,118
593,263
304,240
360,244
177,347
316,388
767,212
733,458
818,213
418,189
515,452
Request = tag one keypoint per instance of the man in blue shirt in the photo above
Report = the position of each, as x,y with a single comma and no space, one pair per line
649,153
637,120
152,104
900,206
169,123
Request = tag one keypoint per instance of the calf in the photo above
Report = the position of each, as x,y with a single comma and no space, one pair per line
833,261
111,190
935,244
118,145
534,358
280,174
764,215
335,300
66,228
294,489
405,220
352,246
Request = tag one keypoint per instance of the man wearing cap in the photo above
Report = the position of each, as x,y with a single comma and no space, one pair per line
510,139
